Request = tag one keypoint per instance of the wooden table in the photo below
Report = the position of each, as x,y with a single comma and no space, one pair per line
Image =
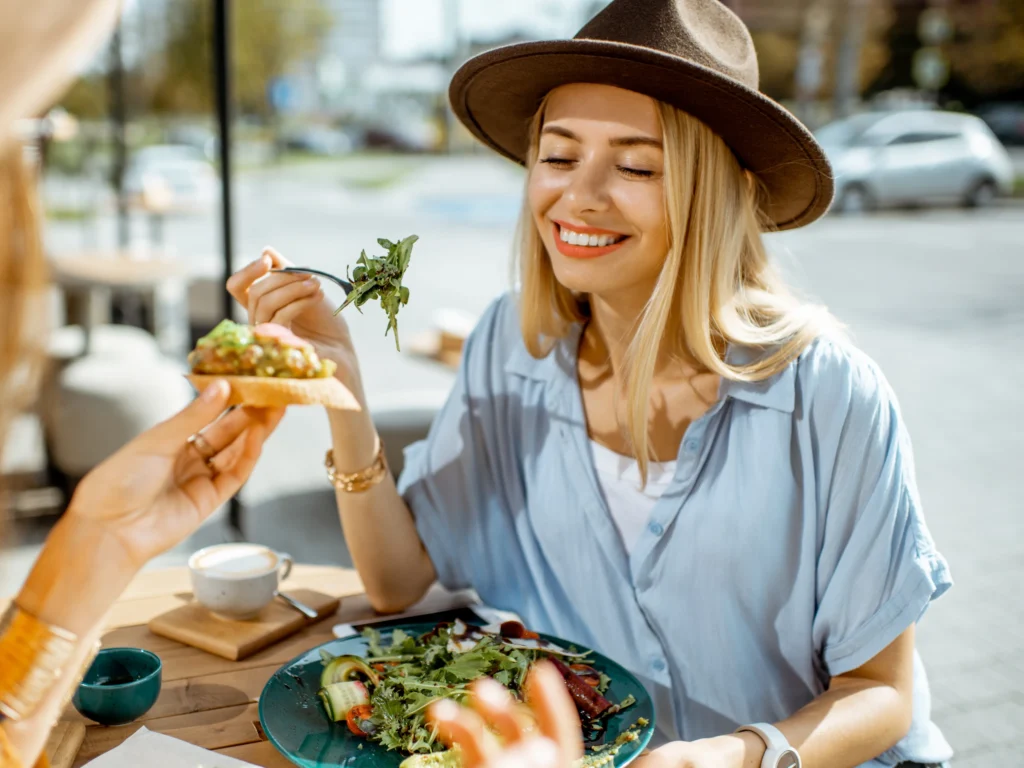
207,700
89,278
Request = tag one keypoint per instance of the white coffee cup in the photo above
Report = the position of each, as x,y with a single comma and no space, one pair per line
236,581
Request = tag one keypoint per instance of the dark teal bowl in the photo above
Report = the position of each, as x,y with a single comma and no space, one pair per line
121,686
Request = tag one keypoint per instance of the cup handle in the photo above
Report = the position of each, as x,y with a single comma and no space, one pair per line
286,565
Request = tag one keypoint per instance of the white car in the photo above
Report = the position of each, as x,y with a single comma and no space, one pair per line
182,173
915,157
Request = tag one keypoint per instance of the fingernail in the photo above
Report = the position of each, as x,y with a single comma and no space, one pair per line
541,752
311,283
491,693
214,391
445,709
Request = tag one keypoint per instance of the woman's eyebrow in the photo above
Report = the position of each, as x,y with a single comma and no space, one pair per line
623,141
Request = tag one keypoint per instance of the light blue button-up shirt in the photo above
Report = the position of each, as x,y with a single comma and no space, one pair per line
790,546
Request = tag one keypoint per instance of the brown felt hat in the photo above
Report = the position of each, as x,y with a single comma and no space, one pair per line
693,54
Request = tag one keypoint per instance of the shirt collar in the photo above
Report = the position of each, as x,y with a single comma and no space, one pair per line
777,391
557,368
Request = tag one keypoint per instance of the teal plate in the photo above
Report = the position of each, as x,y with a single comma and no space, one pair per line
294,720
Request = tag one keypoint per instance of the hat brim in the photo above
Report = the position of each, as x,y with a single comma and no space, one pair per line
496,94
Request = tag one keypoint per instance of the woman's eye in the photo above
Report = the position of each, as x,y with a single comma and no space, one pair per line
558,162
635,173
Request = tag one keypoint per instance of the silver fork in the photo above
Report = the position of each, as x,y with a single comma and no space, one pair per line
345,285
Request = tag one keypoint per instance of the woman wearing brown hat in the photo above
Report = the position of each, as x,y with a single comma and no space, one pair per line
653,447
145,498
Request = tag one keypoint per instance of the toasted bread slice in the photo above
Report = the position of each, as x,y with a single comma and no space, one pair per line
269,391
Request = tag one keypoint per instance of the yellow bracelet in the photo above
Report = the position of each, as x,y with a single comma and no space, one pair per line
360,481
32,656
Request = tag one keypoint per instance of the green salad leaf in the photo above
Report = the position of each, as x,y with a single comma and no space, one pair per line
417,671
414,672
380,277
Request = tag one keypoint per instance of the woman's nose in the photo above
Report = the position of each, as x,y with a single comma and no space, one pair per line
588,189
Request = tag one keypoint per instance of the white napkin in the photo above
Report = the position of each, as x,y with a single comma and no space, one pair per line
155,750
485,612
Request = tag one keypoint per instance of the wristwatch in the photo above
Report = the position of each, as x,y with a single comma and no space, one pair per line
779,754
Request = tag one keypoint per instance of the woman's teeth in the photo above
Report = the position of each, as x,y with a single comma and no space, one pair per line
578,238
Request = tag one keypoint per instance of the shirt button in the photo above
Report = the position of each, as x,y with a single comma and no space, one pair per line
658,665
691,446
656,528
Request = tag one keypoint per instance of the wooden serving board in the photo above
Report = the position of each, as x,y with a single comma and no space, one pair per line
64,742
194,625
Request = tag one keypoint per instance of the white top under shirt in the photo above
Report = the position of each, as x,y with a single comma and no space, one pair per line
619,478
630,507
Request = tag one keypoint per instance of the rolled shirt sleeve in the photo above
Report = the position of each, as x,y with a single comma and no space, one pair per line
877,568
448,479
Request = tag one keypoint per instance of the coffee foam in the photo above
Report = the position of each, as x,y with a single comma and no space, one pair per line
236,561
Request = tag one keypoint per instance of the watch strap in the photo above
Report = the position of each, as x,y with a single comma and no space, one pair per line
776,745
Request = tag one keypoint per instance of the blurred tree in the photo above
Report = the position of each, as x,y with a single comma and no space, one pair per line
87,98
271,38
778,50
776,59
874,56
987,54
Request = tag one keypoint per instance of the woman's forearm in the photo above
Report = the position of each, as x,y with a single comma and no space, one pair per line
853,722
80,572
856,720
379,528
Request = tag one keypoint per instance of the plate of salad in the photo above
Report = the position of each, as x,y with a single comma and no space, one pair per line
361,701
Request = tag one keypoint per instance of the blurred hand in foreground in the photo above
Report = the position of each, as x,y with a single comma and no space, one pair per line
544,733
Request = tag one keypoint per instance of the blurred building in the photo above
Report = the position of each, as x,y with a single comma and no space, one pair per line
334,82
352,45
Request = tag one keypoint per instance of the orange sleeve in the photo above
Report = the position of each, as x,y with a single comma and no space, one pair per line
10,760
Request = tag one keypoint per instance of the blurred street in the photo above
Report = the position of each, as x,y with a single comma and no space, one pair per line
934,296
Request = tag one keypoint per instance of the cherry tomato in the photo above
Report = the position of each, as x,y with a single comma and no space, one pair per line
356,715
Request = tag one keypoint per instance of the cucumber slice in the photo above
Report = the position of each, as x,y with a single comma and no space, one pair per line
346,668
339,698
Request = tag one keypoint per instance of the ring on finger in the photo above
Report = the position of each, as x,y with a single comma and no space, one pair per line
206,451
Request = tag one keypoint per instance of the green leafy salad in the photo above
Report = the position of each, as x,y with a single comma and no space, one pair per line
380,277
384,696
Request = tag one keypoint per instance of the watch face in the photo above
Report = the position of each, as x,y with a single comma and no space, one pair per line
788,758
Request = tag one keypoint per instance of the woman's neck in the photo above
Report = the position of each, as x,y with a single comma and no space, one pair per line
611,329
680,391
607,338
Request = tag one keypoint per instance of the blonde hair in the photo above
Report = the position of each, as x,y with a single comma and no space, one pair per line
22,282
717,286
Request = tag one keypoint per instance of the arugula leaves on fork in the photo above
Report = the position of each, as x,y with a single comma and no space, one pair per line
381,278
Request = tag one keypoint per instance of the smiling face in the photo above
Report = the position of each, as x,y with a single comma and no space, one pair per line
596,189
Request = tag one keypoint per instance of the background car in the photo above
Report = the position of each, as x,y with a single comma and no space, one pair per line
182,170
1006,121
316,140
914,158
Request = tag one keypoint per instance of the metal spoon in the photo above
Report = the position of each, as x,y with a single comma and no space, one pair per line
344,284
302,608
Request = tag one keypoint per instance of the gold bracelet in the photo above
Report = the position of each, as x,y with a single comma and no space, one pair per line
32,656
364,479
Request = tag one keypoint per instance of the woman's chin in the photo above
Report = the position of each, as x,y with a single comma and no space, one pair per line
586,275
